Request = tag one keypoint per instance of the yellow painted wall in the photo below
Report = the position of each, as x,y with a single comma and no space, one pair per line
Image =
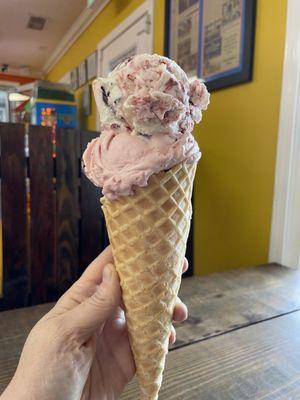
238,135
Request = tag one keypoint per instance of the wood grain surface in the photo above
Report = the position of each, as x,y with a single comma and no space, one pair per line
13,201
67,209
93,235
42,226
15,326
226,301
259,362
223,350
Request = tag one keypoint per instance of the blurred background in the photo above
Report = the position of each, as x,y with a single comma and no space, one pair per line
50,52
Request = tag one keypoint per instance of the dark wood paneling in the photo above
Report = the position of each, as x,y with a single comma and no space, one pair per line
42,229
67,217
13,199
93,236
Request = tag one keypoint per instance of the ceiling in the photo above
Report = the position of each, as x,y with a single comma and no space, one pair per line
26,50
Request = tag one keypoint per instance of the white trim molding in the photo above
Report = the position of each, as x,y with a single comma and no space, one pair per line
133,35
81,23
285,231
146,7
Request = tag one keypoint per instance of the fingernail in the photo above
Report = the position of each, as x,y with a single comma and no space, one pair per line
107,272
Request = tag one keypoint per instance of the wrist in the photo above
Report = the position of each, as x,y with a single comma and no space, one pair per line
16,391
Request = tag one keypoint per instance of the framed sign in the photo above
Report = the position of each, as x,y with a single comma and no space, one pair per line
86,100
91,62
213,39
66,79
182,36
74,78
132,36
122,56
82,73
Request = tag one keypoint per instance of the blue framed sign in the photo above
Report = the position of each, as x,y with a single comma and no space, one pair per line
213,39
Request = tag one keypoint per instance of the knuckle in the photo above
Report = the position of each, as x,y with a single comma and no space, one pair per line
105,298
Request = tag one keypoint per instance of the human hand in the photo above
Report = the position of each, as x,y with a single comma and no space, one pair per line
80,349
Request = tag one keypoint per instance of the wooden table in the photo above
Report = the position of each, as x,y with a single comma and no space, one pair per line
241,340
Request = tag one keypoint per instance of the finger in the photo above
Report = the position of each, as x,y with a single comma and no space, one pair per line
172,337
185,265
94,311
180,313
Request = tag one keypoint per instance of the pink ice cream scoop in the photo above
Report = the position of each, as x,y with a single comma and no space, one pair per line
147,111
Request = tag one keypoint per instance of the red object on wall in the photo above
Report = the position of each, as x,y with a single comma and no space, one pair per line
16,78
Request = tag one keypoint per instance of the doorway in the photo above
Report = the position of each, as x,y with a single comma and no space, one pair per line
285,231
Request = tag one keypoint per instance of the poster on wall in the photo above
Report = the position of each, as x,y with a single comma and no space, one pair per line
212,39
74,78
183,34
66,79
91,62
86,100
82,73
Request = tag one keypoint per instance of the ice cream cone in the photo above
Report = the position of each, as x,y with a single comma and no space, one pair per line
148,233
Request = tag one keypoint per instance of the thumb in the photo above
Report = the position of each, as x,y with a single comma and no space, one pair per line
94,311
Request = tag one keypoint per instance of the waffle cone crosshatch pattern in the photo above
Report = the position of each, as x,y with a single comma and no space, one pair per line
148,233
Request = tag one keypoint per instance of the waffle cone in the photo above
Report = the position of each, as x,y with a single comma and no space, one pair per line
148,233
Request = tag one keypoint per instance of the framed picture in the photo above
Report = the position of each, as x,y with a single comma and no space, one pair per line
66,79
82,73
213,39
86,100
182,35
132,36
91,63
74,78
122,56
